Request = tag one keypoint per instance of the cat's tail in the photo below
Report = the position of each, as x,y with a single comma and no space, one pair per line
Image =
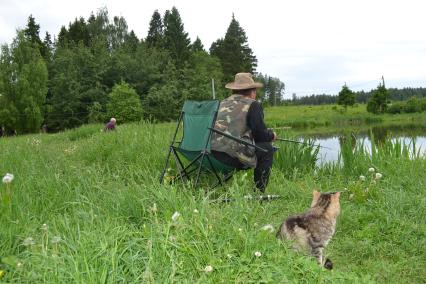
328,264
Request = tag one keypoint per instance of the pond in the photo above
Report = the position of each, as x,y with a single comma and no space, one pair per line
331,142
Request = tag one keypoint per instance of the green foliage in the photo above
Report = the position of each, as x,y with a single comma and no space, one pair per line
378,101
197,45
293,159
124,104
346,97
234,52
176,40
272,91
155,35
23,87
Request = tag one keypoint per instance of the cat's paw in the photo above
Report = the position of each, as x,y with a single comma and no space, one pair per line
328,264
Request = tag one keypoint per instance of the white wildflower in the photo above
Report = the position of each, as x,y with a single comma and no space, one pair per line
45,227
175,216
351,196
268,228
56,239
154,208
28,242
371,170
196,211
239,229
362,178
229,256
208,269
378,175
258,254
8,178
19,265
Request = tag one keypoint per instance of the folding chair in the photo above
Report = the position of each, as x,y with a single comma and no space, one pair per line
198,119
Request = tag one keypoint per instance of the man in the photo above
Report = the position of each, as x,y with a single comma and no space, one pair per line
110,125
242,116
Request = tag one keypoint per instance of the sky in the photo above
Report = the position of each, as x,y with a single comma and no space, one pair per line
312,46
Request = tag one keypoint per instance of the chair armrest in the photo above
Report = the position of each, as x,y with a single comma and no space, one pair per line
237,139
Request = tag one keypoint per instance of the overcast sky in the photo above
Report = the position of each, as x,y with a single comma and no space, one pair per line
312,46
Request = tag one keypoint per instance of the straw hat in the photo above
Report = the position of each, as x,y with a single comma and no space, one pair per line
243,81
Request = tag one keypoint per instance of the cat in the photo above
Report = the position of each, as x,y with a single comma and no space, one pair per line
311,231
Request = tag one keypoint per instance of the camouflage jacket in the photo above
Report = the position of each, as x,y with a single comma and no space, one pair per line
232,119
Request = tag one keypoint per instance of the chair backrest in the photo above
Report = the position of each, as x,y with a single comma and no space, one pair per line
197,117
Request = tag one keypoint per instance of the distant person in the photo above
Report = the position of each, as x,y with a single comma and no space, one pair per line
242,116
110,125
2,131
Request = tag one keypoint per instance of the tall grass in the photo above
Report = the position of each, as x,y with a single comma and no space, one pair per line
109,221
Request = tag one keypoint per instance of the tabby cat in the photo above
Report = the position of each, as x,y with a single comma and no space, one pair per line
311,231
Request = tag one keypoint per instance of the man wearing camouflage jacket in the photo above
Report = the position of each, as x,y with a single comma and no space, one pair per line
242,116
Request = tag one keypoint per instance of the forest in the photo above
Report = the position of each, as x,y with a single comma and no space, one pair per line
98,67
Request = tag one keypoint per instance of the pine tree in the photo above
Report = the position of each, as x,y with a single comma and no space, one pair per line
233,51
197,45
176,40
346,97
155,32
379,99
32,31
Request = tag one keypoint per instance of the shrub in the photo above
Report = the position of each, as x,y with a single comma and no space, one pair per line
124,103
396,107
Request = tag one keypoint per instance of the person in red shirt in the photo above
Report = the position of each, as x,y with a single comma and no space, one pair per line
110,125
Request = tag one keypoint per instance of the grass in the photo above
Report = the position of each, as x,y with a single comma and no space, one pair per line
99,193
326,118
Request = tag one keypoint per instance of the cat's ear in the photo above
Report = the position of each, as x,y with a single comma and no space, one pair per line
315,196
337,195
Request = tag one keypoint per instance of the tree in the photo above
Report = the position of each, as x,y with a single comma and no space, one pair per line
346,97
234,52
124,103
378,101
176,40
155,32
23,85
197,45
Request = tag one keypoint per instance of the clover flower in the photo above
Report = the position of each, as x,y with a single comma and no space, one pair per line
258,254
208,269
268,228
7,178
362,178
28,242
175,216
45,227
378,176
56,239
371,170
196,211
154,208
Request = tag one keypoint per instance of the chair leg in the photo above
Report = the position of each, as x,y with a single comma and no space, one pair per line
166,165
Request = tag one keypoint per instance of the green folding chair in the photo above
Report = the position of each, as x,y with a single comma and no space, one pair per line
198,119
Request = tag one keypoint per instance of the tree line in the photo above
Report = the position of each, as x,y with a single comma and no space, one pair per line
394,94
97,68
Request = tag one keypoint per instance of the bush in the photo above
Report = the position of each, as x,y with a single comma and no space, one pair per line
124,103
412,105
396,107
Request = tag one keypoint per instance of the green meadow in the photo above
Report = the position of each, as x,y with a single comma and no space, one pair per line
87,207
325,118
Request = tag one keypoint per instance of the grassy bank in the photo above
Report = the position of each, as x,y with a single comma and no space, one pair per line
327,117
108,220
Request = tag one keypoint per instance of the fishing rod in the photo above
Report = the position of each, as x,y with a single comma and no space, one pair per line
294,141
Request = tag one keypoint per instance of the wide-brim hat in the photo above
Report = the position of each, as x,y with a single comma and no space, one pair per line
243,81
